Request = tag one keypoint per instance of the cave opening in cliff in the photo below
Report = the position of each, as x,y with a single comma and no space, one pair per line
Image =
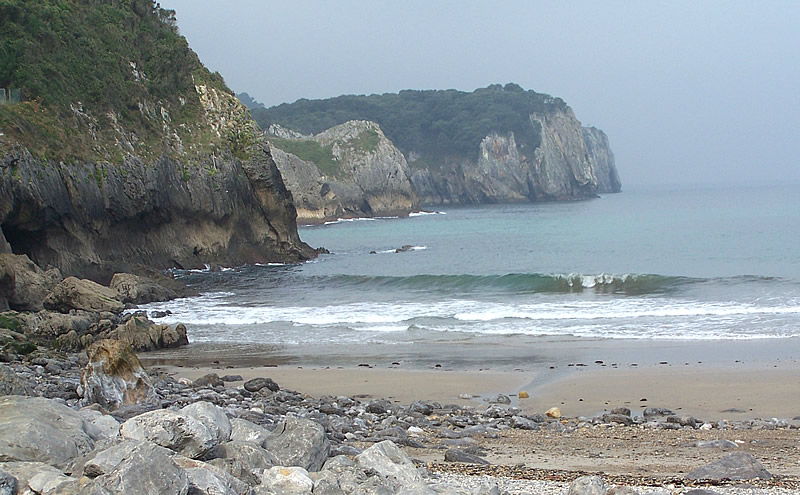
22,241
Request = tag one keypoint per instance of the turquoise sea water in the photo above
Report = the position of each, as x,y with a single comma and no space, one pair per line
714,264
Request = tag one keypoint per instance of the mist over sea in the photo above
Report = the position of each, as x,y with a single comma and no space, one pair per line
693,265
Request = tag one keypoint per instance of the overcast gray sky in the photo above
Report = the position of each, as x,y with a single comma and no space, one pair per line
687,91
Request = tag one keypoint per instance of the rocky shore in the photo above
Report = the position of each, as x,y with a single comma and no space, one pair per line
96,422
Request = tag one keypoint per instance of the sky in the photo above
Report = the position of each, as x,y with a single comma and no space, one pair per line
689,92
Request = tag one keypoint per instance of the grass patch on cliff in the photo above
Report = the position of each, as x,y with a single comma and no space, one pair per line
366,141
310,151
10,323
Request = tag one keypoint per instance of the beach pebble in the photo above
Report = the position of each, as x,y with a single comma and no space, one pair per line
524,395
257,384
553,412
458,455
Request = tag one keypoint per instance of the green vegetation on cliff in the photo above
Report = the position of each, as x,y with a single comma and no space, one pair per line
435,124
100,79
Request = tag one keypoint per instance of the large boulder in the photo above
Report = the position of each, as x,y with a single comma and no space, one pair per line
114,377
134,468
738,466
176,431
299,442
250,456
139,290
73,293
212,417
144,335
391,462
23,285
11,384
205,478
41,430
245,431
285,480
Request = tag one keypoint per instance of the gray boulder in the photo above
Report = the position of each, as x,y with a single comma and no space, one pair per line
8,483
245,431
212,417
11,384
42,430
137,468
587,485
114,377
208,479
292,480
39,478
176,431
391,462
73,293
299,442
736,466
107,425
250,456
209,380
458,455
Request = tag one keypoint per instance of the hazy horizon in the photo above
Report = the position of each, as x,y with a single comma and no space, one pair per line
688,93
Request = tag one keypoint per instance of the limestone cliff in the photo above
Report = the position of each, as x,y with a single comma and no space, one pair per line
146,159
564,165
350,170
603,160
501,143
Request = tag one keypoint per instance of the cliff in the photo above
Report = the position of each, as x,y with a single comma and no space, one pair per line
350,170
146,161
496,144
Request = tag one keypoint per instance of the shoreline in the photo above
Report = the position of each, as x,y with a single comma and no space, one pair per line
709,391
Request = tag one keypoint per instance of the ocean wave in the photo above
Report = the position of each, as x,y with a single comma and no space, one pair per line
422,213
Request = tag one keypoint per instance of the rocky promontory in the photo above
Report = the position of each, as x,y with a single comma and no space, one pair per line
355,172
495,145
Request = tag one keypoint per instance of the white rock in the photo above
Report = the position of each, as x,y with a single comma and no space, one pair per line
286,480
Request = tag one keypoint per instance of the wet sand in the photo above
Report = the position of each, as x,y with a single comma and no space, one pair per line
709,393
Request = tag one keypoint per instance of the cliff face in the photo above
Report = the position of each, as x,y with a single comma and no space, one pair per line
568,163
163,167
94,219
365,174
603,160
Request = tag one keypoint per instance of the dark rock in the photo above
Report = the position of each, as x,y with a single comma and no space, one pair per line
257,384
404,249
625,411
700,491
737,466
231,378
458,455
500,399
209,380
379,406
617,418
657,411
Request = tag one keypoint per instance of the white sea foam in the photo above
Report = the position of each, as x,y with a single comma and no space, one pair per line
423,213
612,318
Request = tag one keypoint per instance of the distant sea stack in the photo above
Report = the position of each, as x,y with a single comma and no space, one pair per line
134,154
496,144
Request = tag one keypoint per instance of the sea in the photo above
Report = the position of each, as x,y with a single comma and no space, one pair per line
506,286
